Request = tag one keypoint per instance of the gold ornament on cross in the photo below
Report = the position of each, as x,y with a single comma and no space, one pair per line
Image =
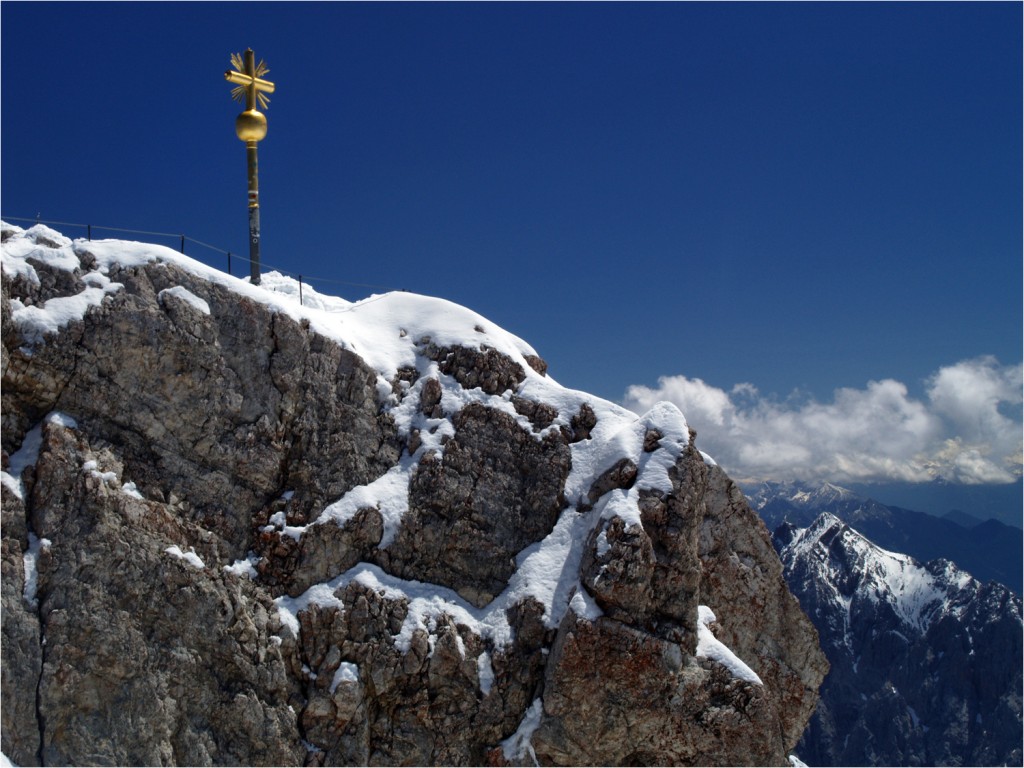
249,80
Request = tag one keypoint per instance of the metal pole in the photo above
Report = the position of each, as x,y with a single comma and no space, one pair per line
182,243
229,262
251,127
300,290
254,213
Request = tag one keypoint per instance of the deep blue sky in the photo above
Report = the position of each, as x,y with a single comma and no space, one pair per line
800,196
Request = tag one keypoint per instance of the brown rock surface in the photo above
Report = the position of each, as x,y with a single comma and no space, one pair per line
217,581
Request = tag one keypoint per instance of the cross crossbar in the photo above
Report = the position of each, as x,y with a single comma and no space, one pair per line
240,78
247,77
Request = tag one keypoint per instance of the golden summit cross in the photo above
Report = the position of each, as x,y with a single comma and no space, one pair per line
251,127
248,77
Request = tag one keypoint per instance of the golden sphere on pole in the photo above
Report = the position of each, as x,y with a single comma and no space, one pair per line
251,125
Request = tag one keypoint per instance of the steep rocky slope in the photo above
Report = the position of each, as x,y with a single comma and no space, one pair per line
925,660
238,529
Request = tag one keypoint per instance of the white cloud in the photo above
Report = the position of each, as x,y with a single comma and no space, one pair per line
966,430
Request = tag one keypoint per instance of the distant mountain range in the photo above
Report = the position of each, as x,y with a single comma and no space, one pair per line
1002,502
925,660
989,550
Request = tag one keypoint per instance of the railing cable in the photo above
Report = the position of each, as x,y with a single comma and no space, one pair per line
230,254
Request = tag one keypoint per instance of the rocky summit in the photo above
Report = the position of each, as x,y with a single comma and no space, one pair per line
240,527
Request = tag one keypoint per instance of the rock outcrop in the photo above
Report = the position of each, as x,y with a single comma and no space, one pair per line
241,530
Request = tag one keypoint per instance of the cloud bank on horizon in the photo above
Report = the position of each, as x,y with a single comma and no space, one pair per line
967,429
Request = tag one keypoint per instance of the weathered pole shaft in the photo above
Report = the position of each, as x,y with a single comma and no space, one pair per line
250,72
254,213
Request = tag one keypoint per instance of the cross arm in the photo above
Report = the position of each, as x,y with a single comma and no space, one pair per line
240,78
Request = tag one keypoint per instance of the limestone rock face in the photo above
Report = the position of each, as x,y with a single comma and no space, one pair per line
238,529
736,570
495,490
21,653
633,698
139,635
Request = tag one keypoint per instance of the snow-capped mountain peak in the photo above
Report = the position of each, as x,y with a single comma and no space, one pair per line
861,571
824,494
805,496
924,658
